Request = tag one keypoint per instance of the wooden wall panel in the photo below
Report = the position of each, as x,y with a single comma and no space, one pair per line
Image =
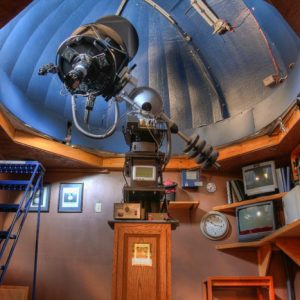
76,250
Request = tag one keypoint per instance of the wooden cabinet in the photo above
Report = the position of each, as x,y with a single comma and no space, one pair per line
142,260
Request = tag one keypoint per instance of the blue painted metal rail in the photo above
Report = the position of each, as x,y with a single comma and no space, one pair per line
31,174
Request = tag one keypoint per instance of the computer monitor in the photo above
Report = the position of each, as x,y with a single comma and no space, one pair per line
260,178
254,221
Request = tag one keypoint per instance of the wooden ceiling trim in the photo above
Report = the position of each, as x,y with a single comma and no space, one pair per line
175,164
6,125
229,153
261,142
49,146
57,148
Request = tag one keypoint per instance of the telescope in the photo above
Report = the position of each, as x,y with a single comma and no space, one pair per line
93,62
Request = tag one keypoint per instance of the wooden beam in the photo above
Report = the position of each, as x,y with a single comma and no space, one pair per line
264,254
54,147
117,162
259,143
175,164
6,125
291,247
47,145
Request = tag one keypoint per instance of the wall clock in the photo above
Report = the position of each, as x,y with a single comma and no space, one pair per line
214,225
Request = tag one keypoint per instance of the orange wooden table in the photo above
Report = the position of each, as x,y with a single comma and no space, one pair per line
258,282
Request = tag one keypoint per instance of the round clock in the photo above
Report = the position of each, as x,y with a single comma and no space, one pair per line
214,225
211,187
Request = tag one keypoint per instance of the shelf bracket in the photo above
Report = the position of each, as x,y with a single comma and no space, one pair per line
264,254
291,247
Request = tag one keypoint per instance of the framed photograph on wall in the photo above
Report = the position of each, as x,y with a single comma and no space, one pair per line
45,200
70,197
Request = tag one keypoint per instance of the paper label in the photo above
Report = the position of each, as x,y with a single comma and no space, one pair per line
142,255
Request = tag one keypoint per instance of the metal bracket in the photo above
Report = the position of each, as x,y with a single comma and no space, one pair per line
220,26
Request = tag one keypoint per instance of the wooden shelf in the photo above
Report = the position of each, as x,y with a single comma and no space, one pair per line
288,231
184,204
230,208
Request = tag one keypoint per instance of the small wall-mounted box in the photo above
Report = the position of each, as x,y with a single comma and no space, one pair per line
271,80
190,179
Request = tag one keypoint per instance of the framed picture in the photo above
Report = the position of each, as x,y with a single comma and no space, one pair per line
45,200
70,197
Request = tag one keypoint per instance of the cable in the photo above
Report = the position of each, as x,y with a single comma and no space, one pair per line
123,173
169,147
275,64
155,140
235,26
108,132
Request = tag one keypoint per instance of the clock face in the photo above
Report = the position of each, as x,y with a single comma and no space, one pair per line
214,225
211,187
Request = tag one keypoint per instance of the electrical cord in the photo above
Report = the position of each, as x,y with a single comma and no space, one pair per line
123,173
169,147
235,25
275,64
155,140
108,132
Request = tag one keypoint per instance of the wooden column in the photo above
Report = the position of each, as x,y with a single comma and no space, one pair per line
142,260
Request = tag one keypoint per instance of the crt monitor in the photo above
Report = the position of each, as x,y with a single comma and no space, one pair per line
260,178
254,221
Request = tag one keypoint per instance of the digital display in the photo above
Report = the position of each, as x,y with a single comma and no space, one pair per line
259,177
255,219
144,173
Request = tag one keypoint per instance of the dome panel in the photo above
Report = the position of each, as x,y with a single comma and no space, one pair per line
208,84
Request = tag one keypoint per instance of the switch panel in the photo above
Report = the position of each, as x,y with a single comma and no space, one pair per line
98,207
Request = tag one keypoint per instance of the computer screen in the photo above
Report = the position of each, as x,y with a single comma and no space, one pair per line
144,172
255,221
260,178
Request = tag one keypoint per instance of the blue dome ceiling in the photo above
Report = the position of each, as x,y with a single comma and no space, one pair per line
211,84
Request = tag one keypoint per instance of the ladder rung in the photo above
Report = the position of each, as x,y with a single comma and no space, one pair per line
3,235
19,167
18,185
9,207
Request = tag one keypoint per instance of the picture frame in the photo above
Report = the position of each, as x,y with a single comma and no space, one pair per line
46,191
70,197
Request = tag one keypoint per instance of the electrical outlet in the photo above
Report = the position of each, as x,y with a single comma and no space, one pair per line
98,207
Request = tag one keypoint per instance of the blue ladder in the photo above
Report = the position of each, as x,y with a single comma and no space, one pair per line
31,174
